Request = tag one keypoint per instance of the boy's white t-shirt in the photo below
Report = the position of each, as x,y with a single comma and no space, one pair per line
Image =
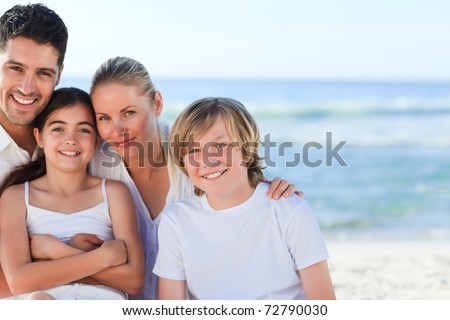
251,251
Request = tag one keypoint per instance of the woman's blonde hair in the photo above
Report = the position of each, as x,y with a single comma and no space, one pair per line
125,71
199,117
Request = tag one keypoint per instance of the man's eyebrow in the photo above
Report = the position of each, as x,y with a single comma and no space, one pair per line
53,71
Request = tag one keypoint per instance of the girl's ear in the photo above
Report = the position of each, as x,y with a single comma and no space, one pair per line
38,137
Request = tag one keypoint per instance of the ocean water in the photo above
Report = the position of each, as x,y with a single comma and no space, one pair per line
373,158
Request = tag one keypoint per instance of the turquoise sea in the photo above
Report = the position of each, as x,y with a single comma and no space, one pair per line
388,148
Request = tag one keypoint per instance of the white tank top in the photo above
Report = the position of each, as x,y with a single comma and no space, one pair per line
94,220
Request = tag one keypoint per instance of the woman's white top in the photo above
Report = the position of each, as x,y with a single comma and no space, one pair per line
108,164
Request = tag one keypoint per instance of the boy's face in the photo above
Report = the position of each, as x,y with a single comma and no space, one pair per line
215,165
29,73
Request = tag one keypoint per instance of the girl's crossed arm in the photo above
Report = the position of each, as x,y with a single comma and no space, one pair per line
22,274
127,277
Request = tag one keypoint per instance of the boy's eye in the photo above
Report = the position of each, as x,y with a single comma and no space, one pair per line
192,151
221,145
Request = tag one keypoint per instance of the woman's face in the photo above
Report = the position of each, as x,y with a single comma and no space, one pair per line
125,119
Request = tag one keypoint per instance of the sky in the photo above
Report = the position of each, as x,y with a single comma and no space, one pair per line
394,40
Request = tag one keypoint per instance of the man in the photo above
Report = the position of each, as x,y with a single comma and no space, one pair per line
33,41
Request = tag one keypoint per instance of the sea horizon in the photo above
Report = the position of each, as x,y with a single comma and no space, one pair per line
395,138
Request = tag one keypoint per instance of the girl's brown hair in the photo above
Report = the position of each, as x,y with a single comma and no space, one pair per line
61,99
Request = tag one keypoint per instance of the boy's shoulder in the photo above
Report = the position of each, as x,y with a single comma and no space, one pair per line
189,204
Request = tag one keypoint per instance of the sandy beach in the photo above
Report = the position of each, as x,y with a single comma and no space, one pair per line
390,270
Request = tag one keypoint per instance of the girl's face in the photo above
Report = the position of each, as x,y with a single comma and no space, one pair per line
68,138
215,165
125,119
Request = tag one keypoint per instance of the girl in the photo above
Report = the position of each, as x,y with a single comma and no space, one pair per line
54,198
230,241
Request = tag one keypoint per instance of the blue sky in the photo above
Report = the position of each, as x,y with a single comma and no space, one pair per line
293,39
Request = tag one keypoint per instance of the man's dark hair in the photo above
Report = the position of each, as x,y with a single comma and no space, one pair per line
35,22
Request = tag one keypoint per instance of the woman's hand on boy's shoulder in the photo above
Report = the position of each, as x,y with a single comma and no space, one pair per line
281,188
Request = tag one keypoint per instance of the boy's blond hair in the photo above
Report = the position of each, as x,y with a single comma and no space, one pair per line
200,115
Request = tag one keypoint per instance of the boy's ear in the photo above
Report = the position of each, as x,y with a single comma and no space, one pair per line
38,137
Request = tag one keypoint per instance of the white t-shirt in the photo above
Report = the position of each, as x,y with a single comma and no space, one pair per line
11,155
108,164
250,251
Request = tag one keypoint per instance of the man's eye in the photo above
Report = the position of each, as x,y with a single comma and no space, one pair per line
43,73
16,68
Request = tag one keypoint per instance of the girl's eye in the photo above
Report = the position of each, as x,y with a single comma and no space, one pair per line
85,131
57,129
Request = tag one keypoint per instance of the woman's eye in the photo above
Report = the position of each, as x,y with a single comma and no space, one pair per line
192,151
103,118
129,113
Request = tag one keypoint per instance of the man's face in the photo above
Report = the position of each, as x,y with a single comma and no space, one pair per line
28,75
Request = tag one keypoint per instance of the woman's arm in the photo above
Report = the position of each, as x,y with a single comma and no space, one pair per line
128,277
171,289
316,282
24,275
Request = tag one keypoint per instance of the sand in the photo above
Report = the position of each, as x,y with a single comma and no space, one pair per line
390,270
396,270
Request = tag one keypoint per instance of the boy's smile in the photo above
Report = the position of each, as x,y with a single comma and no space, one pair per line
215,165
